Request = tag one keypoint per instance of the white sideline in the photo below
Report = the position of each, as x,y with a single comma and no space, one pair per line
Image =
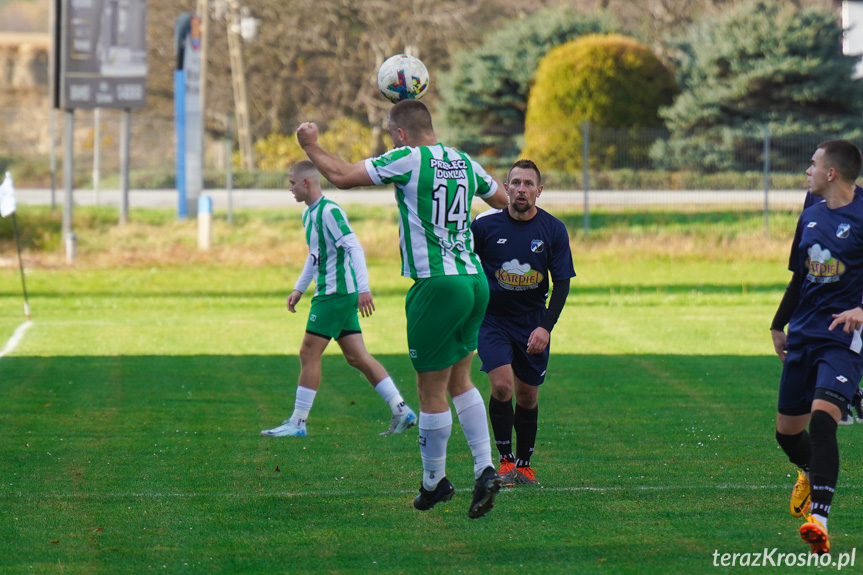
16,338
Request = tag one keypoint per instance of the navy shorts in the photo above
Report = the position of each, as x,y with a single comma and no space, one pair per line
833,370
503,341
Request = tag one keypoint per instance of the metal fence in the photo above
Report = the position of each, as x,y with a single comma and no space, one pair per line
621,169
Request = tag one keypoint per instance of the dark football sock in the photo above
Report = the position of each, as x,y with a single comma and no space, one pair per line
501,415
525,423
798,448
824,468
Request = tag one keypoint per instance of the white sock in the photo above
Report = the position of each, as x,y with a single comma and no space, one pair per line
435,429
387,389
302,405
821,518
470,409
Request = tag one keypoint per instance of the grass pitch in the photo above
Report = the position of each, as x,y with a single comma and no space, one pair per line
132,408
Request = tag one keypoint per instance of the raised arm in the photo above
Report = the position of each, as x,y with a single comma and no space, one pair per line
498,199
342,174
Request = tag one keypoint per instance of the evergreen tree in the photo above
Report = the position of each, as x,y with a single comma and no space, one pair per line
769,63
484,95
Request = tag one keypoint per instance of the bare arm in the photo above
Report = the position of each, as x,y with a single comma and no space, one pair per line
342,174
498,199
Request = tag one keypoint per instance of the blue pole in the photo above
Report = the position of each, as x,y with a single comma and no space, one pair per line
180,127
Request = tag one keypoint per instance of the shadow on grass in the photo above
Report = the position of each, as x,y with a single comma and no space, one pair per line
112,464
106,395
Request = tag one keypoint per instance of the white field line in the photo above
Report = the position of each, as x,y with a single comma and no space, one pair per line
16,338
354,493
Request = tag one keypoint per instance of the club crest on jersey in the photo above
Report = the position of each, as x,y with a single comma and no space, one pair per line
537,246
843,230
823,267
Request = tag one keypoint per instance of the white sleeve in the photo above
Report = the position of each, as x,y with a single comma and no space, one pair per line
306,276
483,176
352,247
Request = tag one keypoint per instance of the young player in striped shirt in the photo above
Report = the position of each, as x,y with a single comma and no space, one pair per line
337,265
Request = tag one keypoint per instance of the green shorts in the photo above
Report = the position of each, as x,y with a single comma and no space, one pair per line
443,318
333,316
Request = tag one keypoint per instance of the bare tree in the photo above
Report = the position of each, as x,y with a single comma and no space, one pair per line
318,59
321,57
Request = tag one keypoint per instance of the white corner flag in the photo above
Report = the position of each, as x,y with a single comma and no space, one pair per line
7,196
7,207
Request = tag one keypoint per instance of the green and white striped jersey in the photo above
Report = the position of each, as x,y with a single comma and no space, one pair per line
434,187
326,224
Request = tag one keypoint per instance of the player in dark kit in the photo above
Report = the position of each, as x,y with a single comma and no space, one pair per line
821,352
789,302
520,247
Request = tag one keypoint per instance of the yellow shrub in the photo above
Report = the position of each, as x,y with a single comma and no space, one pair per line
345,137
611,81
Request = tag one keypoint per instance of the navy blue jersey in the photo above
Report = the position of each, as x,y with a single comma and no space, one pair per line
518,257
811,200
828,252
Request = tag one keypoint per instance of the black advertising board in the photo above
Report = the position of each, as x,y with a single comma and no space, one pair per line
100,53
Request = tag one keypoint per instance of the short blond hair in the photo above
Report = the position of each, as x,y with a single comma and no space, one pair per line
305,169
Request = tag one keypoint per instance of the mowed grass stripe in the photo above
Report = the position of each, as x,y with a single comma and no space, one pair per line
348,493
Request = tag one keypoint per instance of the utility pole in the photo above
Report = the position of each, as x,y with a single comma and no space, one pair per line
238,80
204,15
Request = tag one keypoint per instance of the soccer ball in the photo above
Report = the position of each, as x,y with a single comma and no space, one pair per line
403,77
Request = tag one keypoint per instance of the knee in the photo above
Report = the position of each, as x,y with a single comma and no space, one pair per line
308,355
526,399
791,424
356,360
501,387
526,395
501,391
526,402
